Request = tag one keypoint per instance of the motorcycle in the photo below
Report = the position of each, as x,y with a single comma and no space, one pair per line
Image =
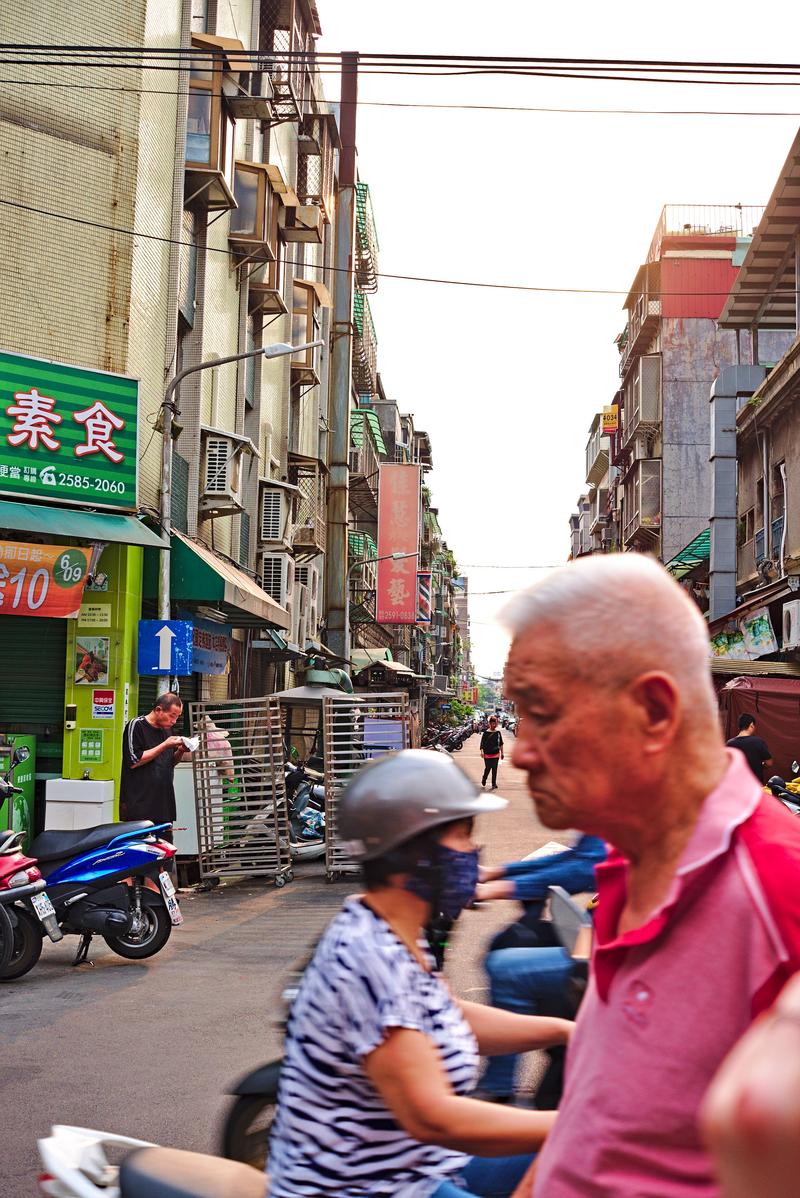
790,800
305,800
75,1165
22,887
107,880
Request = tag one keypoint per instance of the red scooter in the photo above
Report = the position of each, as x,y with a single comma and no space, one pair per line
21,882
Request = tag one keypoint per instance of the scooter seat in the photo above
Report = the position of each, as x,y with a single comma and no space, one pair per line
53,845
170,1173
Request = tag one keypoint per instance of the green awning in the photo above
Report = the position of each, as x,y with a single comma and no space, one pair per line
68,522
696,553
201,577
357,419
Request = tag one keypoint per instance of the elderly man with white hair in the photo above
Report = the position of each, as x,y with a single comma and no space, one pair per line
698,924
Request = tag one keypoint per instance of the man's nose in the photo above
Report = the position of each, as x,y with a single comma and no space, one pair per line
525,753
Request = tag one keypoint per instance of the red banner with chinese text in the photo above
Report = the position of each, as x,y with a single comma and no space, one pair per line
398,532
42,580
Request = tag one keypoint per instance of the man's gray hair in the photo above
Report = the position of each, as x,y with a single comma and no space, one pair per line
621,609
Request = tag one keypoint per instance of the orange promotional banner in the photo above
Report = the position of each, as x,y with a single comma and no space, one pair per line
398,532
42,580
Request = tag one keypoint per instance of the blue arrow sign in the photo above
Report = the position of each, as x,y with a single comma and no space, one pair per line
165,647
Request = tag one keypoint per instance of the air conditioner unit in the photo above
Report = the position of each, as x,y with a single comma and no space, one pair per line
308,575
640,449
274,514
791,625
221,475
276,574
302,222
300,615
355,461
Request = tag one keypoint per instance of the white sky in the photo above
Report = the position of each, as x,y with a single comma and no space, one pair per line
507,383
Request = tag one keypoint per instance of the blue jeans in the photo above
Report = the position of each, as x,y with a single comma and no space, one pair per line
488,1177
520,979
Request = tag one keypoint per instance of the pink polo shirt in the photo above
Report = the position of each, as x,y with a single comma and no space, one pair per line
668,1000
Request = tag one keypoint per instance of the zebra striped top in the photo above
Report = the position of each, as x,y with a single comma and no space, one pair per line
333,1134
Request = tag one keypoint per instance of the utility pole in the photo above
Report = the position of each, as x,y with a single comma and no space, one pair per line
336,575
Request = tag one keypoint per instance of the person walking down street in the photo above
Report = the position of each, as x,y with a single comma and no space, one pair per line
150,753
378,1047
754,748
491,751
620,738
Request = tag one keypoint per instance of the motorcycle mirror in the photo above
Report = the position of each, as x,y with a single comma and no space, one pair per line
795,767
20,754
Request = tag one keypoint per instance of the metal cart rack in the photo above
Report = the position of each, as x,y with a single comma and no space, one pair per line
239,789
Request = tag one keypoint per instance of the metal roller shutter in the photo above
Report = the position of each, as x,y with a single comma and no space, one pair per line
33,654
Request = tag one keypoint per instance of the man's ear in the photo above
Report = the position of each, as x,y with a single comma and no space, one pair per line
658,703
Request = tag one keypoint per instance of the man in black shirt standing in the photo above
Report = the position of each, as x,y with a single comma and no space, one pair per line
491,751
754,748
149,755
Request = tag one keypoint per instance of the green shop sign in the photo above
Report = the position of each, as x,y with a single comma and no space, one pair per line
67,434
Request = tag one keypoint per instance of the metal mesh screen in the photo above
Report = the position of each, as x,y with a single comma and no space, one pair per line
239,789
356,729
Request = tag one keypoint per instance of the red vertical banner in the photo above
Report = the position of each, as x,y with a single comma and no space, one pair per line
398,532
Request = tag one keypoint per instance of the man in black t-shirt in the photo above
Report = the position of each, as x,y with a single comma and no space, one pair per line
754,748
149,755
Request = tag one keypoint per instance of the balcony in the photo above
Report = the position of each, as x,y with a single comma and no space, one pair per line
286,41
643,504
366,448
681,221
642,403
315,162
365,347
598,449
309,537
598,513
644,313
366,241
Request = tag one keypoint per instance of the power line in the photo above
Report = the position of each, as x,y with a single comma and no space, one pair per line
123,90
521,287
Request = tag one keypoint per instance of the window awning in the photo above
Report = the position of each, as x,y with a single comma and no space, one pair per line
86,526
362,659
357,418
200,576
696,553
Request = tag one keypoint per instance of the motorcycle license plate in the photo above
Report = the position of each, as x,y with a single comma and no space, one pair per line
168,891
42,906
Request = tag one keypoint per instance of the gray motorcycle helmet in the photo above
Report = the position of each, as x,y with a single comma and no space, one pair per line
401,795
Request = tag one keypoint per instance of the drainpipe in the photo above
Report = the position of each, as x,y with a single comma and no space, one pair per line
765,491
785,519
173,286
732,382
336,581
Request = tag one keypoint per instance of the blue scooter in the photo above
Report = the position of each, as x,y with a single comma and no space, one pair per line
109,880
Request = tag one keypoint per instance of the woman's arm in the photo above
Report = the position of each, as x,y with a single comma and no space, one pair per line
486,891
407,1072
498,1032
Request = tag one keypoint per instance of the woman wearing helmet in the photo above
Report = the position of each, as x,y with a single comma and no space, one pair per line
380,1057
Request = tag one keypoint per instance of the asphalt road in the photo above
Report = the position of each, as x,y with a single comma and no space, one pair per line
146,1049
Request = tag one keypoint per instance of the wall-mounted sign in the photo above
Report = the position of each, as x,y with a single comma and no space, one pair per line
398,532
102,705
211,646
41,580
90,746
611,419
94,615
92,654
67,434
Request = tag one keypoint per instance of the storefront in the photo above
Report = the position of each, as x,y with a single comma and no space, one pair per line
71,553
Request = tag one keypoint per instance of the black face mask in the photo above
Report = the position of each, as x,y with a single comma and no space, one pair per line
449,882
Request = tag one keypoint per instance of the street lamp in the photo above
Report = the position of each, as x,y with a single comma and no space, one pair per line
168,413
366,561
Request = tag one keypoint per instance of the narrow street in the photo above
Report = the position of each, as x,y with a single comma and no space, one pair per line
147,1048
